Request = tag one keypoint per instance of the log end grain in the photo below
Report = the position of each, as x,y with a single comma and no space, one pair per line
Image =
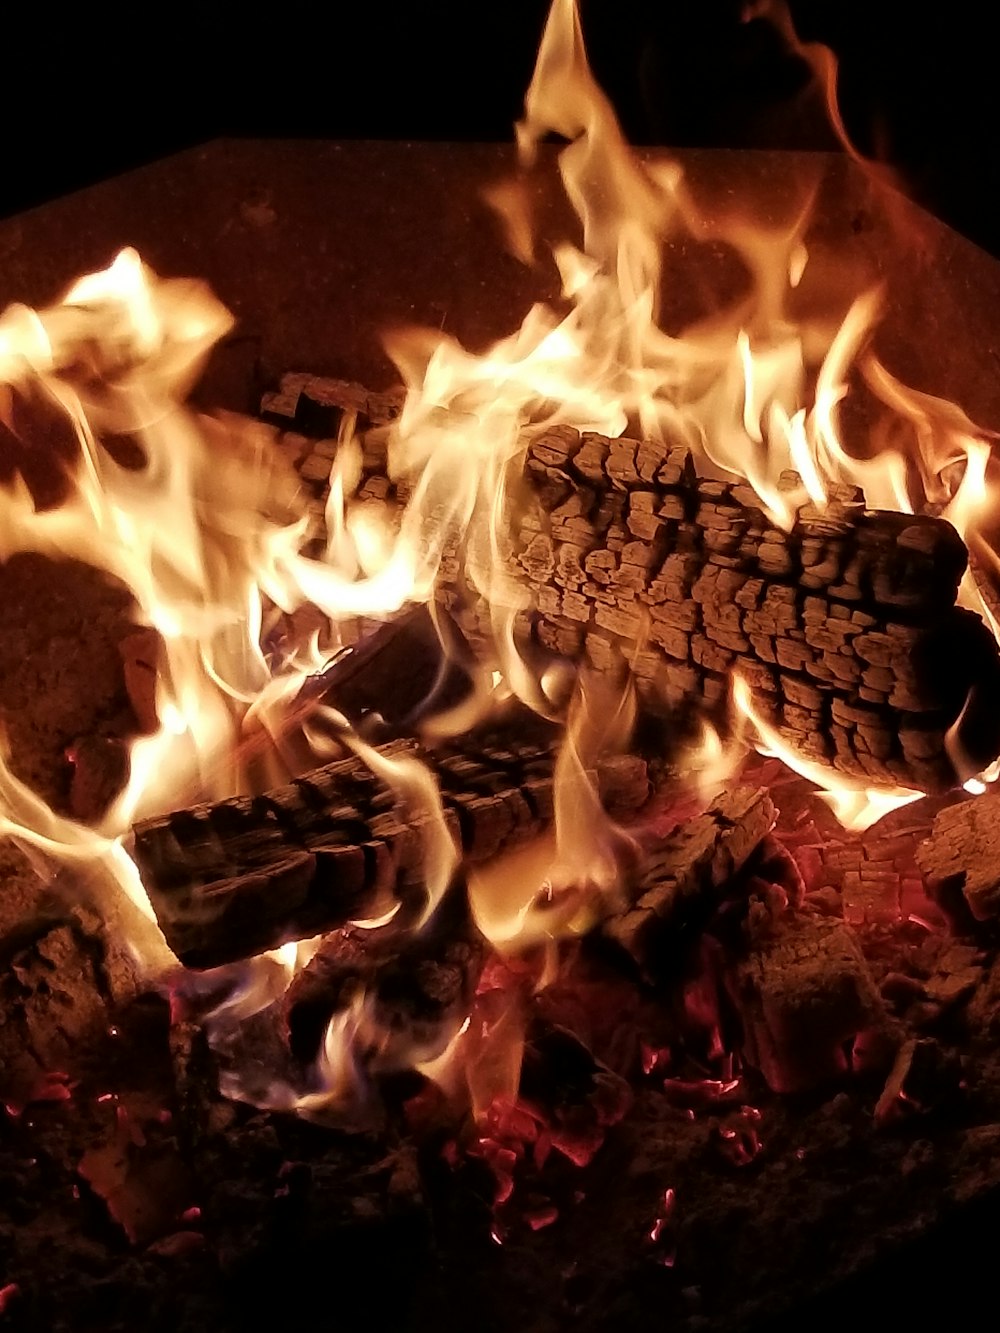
963,853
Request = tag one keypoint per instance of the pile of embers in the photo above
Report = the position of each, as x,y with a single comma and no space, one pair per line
771,1063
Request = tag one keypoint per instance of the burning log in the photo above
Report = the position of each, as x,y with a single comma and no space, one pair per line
564,1087
694,861
239,877
962,854
417,983
802,992
845,627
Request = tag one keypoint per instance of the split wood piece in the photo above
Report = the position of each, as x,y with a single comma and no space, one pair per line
56,1004
962,854
398,674
576,1097
416,983
236,878
802,992
845,628
692,863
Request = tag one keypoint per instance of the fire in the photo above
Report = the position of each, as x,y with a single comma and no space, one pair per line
206,537
856,806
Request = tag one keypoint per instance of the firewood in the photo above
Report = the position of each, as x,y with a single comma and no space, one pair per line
962,854
693,862
56,1001
396,675
845,627
570,1091
233,879
418,983
802,991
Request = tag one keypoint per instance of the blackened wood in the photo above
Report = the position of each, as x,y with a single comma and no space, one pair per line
572,1093
417,981
845,628
803,991
235,878
691,864
395,676
963,853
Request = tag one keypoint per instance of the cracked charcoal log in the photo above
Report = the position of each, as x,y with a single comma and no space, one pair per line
802,992
846,627
55,1003
574,1095
692,863
962,854
418,984
236,878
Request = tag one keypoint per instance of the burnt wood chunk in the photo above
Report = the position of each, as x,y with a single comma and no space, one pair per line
845,627
397,674
416,982
57,1001
802,992
963,854
236,878
692,863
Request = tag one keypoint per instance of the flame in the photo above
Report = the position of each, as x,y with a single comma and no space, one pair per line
855,805
207,534
422,809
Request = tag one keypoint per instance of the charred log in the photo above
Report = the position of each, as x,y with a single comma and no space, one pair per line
403,671
803,991
691,864
845,627
416,982
569,1090
236,878
962,854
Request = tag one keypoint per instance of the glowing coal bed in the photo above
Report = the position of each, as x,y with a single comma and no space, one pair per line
515,848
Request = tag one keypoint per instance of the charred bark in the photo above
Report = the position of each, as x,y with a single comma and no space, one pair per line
846,627
691,864
235,878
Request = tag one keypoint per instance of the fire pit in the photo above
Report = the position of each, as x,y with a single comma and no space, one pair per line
416,864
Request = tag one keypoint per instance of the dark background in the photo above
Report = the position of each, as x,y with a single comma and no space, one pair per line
88,93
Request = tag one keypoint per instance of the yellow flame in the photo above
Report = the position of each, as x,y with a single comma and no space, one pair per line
855,805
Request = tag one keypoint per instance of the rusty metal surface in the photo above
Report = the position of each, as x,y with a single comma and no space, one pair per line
318,247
